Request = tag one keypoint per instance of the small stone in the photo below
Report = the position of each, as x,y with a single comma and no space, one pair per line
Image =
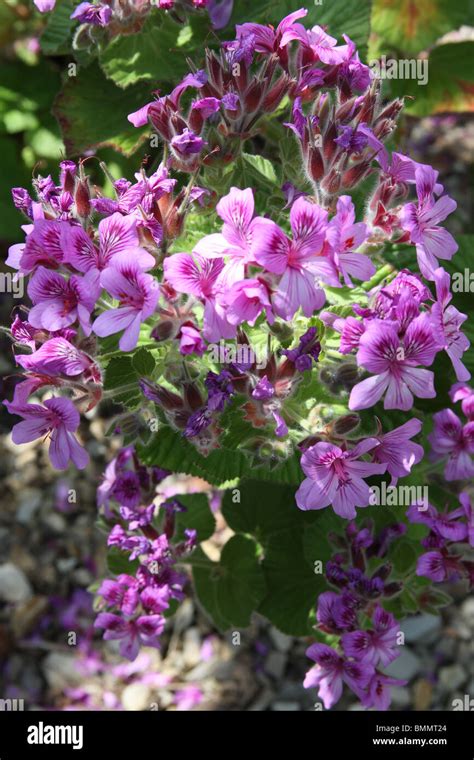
451,677
14,585
467,611
406,666
55,522
275,664
262,702
400,696
281,640
422,694
136,696
447,647
29,504
421,628
192,647
26,614
60,671
286,706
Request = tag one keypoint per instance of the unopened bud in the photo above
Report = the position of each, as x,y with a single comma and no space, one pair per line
355,174
253,96
345,424
192,396
315,164
82,197
160,395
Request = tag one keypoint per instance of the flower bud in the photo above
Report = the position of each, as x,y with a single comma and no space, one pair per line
82,197
345,424
315,164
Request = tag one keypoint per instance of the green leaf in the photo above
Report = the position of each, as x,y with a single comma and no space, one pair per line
450,83
198,516
261,168
233,588
121,377
143,362
409,27
151,54
295,550
58,29
92,112
118,562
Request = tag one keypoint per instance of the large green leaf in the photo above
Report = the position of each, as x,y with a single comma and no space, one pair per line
450,86
58,29
405,26
198,516
153,53
92,112
233,588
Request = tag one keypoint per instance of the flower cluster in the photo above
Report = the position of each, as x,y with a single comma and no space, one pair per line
345,613
453,441
398,336
335,474
139,598
128,16
445,561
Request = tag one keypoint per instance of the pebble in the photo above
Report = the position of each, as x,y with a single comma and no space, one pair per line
467,611
14,585
60,671
405,666
421,628
281,640
400,696
136,696
29,504
275,664
286,706
451,677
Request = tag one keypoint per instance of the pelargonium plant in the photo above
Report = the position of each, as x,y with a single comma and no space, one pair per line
286,333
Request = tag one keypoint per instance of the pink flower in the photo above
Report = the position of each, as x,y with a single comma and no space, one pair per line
191,341
393,361
336,477
456,442
58,302
242,235
322,45
345,236
58,418
297,260
421,221
138,295
245,302
449,320
56,357
42,246
199,276
378,694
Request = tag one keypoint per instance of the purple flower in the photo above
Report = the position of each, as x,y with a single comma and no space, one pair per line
377,645
42,247
118,242
45,5
122,593
142,631
336,477
378,694
436,566
187,143
468,510
59,302
449,320
126,489
351,140
316,40
91,13
263,390
307,350
463,393
296,260
220,12
396,449
56,357
331,671
394,360
220,389
138,295
58,418
198,422
422,222
456,442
